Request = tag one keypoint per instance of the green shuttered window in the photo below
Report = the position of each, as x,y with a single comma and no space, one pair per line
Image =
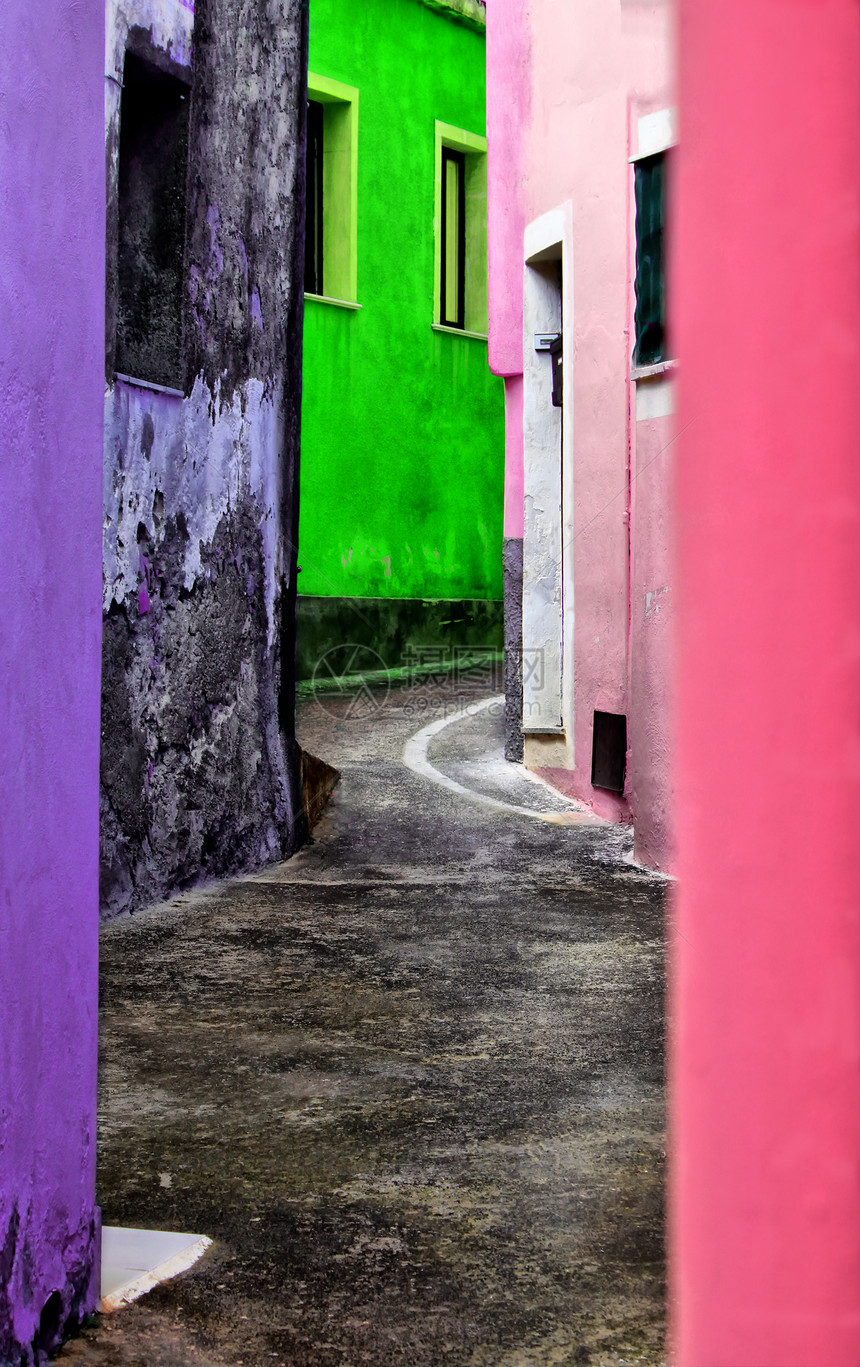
650,175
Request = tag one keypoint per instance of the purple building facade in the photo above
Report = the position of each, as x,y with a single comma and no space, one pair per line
51,414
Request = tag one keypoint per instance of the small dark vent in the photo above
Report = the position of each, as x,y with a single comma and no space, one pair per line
609,751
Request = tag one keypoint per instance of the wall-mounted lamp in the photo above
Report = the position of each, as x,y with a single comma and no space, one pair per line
555,352
552,342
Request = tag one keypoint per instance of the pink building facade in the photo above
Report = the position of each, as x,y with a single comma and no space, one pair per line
578,96
765,1059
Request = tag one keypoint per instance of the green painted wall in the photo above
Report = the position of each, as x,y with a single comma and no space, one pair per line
402,427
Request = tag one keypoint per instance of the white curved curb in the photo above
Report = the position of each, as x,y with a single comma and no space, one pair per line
415,758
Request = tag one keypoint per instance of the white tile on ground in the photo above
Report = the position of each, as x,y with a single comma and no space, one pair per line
136,1260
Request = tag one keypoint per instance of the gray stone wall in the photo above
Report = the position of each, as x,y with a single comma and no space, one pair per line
200,769
512,576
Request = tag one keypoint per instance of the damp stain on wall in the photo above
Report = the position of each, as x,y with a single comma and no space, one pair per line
199,765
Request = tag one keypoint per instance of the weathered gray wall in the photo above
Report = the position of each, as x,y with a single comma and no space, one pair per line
512,572
200,773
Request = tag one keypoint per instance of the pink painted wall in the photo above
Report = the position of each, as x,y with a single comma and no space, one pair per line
765,1065
52,227
650,785
513,524
508,103
566,85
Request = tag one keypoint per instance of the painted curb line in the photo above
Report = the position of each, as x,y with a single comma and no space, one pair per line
415,758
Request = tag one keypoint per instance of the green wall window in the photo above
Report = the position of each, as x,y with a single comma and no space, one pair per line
453,274
314,206
650,318
331,267
462,292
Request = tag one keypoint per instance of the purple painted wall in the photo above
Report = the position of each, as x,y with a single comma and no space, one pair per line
51,405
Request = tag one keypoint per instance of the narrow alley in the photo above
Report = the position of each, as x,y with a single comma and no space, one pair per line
409,1081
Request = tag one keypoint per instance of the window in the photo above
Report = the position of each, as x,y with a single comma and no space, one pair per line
453,280
153,156
650,317
332,180
314,222
461,231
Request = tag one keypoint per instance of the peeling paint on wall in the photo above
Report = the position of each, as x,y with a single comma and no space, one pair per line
73,1258
200,773
652,600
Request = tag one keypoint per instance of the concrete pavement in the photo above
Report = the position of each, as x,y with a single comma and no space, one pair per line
410,1081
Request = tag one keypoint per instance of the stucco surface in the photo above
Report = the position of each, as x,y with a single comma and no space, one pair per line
509,95
766,1107
51,365
512,565
514,454
199,762
650,776
402,427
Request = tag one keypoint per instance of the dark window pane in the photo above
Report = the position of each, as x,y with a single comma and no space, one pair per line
452,310
314,211
153,155
650,263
